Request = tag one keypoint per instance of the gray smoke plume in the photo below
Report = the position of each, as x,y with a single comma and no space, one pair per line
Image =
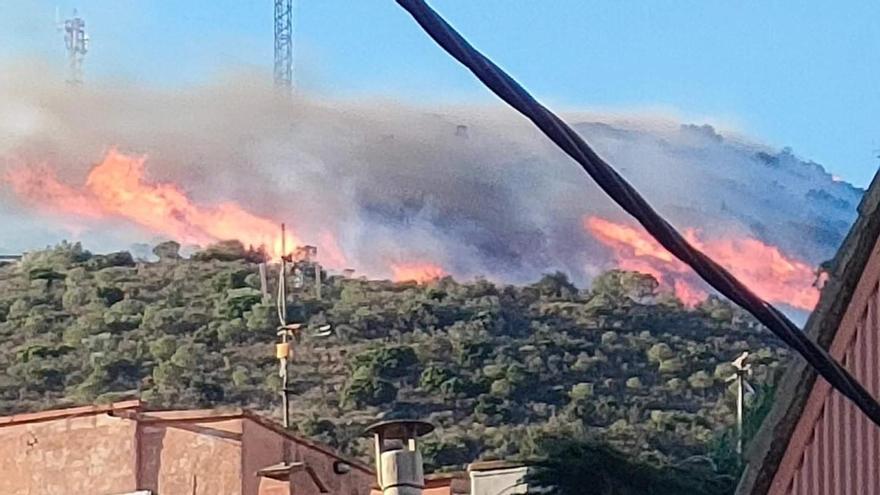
475,189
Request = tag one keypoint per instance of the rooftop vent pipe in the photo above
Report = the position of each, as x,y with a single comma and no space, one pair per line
398,461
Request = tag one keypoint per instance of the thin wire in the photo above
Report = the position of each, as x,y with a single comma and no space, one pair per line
627,197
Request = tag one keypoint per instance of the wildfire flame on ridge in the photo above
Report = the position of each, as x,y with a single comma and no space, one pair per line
419,272
117,187
762,267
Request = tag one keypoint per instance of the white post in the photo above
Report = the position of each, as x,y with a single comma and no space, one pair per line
739,412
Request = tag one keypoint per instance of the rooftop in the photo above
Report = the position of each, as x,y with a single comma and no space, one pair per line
139,411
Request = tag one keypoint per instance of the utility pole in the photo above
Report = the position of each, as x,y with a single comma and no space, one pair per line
77,42
284,45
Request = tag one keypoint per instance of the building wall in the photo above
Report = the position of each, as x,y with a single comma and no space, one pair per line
91,454
259,437
835,449
356,482
211,457
113,450
439,487
499,481
191,457
261,447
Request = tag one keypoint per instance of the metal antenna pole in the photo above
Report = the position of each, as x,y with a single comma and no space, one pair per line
285,400
318,280
289,332
283,351
284,45
282,279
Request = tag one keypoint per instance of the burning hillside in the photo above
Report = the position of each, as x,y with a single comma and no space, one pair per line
418,272
397,191
117,187
773,276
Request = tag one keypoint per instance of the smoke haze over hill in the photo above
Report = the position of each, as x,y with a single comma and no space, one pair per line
474,191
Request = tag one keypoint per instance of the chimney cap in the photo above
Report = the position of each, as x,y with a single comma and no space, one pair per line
400,429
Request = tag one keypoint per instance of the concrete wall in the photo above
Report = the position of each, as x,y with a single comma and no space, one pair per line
92,454
109,450
508,481
221,457
264,446
261,447
191,457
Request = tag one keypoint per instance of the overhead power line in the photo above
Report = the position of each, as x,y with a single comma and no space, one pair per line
627,197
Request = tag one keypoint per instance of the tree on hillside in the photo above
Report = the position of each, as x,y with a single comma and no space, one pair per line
489,364
577,467
618,285
167,251
555,285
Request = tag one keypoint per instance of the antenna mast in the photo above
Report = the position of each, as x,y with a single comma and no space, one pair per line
289,333
284,45
77,42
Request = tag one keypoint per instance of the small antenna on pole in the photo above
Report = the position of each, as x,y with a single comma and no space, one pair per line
742,387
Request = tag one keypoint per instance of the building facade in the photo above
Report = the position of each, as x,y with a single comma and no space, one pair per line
122,448
815,441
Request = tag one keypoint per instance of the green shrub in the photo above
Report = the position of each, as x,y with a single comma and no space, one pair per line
240,301
433,377
111,295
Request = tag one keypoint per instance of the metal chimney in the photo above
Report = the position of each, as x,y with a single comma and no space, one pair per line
399,468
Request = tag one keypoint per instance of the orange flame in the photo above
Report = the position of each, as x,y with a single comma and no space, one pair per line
117,188
331,254
762,267
688,293
417,272
42,188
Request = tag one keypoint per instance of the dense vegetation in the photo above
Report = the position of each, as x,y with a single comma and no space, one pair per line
497,368
572,467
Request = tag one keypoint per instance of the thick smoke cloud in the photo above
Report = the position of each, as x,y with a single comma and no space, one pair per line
474,189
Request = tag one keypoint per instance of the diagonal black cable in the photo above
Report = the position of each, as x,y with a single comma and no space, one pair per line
630,200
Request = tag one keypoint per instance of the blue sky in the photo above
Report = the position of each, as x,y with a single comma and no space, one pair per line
788,73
